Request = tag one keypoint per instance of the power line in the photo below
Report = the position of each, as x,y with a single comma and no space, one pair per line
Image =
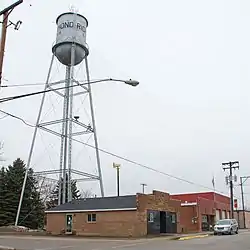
3,117
23,85
125,158
129,82
17,117
35,84
40,92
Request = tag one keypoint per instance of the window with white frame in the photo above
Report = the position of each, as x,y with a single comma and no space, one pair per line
91,217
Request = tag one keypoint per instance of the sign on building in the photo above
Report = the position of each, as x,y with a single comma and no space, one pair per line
235,203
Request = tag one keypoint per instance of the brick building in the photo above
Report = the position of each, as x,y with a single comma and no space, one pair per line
124,216
200,210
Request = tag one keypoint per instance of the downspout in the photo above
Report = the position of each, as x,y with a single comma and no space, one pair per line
198,215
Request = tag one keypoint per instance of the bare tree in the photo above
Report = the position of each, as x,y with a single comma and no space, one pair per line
46,186
87,194
1,151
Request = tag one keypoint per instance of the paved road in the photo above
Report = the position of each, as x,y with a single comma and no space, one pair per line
241,241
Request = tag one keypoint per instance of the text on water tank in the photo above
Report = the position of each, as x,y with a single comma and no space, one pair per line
71,25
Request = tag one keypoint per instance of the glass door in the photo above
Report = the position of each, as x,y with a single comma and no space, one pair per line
69,222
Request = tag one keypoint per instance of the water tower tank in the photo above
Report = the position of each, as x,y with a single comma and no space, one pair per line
71,29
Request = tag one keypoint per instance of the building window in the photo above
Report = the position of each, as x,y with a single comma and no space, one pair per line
173,218
204,218
151,217
91,217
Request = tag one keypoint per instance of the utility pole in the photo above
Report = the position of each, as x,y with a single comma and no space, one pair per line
117,166
231,166
143,187
243,179
6,12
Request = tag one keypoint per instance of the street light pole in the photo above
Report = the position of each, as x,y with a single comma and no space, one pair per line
117,166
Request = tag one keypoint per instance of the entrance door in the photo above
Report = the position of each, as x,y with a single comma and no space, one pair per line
217,215
223,214
163,222
171,222
69,222
205,224
154,222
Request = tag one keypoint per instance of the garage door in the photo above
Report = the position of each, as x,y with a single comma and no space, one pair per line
217,215
223,214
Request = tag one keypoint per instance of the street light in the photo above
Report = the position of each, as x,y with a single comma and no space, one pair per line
130,82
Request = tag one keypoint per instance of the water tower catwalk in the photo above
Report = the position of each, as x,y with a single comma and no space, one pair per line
71,50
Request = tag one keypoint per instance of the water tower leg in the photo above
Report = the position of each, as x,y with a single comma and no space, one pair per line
62,171
71,92
61,157
66,115
33,143
94,129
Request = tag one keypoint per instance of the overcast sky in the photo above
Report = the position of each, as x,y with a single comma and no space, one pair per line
190,112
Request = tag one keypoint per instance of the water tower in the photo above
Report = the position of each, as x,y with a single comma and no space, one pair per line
71,50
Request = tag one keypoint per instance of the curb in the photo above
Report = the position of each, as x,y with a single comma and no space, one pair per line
6,248
194,237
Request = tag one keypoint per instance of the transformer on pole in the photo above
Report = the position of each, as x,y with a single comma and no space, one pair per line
70,49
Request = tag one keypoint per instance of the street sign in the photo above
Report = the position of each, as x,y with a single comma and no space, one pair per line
235,203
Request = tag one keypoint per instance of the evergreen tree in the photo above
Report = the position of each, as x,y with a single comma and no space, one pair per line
3,193
53,201
32,210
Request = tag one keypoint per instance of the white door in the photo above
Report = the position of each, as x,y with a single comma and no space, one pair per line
223,214
228,215
217,215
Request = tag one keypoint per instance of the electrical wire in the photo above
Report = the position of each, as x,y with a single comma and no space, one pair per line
3,117
33,84
50,90
22,85
17,117
127,160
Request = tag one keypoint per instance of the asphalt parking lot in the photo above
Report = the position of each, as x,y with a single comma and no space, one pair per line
241,241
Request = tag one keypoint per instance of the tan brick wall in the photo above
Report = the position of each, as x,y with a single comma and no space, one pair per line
55,223
159,201
111,223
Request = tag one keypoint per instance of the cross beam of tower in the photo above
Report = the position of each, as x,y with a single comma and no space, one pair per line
232,165
70,49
